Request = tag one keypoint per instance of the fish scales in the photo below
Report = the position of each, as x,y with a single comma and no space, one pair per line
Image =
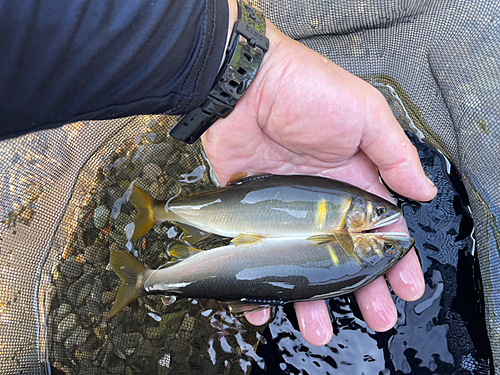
274,206
276,270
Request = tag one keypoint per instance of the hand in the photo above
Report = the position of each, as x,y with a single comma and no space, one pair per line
305,115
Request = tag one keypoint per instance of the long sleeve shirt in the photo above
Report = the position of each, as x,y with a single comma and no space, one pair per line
68,60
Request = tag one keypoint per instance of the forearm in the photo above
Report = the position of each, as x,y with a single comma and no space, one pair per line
78,60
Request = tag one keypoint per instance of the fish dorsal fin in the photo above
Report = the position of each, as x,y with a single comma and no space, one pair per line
182,251
244,177
246,240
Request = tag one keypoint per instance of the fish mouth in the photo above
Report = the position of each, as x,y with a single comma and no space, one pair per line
387,221
403,239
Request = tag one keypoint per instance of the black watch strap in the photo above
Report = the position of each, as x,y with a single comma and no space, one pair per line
244,55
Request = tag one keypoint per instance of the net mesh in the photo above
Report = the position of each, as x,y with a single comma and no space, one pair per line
60,215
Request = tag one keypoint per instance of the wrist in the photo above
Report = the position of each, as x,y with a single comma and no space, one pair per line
242,58
233,17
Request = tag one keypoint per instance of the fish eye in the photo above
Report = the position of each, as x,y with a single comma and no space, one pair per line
388,246
381,210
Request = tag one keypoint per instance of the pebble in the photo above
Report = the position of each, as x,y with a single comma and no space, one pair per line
100,332
126,343
113,247
61,312
58,352
188,323
96,254
67,370
97,288
155,152
72,295
84,292
66,327
151,172
108,297
78,337
101,215
71,268
158,191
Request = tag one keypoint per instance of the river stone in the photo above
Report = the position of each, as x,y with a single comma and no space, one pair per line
61,312
97,288
158,191
151,172
75,288
71,268
58,352
125,344
188,323
73,337
156,151
108,297
101,215
67,370
84,292
96,254
66,327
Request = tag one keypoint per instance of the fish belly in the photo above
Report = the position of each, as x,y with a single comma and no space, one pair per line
273,272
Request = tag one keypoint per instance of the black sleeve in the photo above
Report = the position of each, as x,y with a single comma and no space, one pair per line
68,60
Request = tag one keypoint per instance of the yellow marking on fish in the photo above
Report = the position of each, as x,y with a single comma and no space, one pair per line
334,257
369,209
348,204
320,219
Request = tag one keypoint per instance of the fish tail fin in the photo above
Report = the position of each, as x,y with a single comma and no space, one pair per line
144,205
128,270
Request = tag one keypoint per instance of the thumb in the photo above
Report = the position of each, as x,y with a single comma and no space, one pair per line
386,144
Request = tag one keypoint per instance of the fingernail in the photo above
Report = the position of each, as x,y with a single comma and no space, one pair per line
430,181
314,322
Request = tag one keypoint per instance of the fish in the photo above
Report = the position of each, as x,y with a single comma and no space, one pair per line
266,205
272,272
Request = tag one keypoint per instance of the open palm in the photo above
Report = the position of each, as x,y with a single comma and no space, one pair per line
305,115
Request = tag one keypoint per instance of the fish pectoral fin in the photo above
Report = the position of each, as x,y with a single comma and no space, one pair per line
345,240
192,234
243,177
246,240
321,239
182,251
241,307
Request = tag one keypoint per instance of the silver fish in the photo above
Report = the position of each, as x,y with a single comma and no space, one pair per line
269,206
271,272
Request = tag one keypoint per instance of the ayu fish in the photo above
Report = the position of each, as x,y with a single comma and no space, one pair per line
265,205
272,272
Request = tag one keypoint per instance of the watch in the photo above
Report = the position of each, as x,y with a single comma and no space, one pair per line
243,57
